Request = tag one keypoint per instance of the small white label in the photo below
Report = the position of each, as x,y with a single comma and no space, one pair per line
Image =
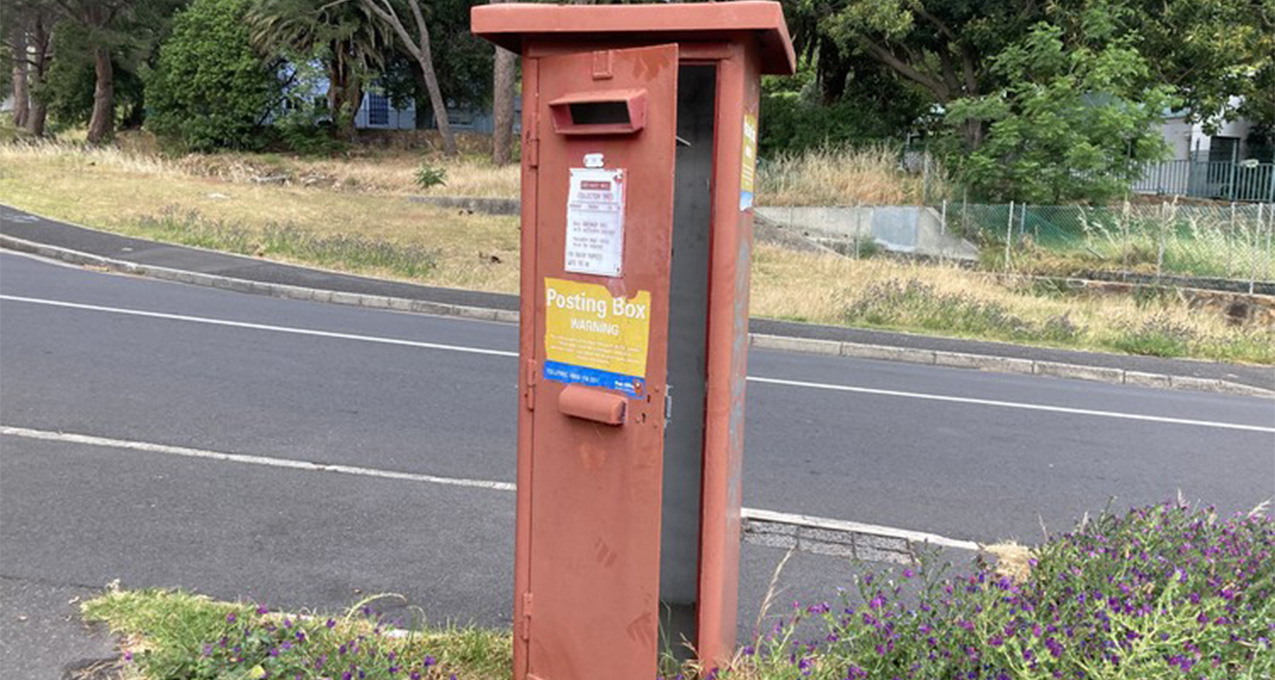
593,160
595,222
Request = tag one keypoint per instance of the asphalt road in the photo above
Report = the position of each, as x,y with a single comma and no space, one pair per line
954,452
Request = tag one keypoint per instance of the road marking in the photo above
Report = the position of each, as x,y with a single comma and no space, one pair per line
801,521
148,447
1012,404
264,327
756,379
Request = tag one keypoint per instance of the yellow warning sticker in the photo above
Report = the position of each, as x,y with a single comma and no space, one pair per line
748,163
594,338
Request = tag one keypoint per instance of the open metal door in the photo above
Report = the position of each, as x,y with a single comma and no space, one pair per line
605,128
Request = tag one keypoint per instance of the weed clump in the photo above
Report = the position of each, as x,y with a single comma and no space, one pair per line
289,241
428,176
1157,336
918,304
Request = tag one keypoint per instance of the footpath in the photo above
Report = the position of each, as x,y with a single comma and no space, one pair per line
25,232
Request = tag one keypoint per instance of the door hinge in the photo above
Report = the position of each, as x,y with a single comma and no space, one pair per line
668,404
525,627
531,141
530,395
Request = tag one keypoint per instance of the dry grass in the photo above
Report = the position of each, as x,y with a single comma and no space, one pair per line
1013,560
311,223
845,176
381,172
124,193
833,290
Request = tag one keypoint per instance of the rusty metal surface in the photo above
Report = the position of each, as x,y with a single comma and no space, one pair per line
591,562
587,568
514,25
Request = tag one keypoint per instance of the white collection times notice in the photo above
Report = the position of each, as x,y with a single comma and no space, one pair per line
595,222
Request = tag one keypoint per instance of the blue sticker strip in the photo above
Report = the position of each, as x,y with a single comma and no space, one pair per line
593,377
745,200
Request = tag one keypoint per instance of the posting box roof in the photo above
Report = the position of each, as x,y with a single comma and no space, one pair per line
508,24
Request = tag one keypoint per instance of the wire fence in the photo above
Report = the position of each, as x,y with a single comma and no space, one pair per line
1225,241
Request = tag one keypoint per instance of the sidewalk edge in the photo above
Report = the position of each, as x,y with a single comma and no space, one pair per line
980,362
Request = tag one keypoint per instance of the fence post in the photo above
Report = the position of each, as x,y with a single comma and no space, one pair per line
1009,233
1270,227
1124,228
1159,260
925,182
943,232
1235,163
1230,240
1252,256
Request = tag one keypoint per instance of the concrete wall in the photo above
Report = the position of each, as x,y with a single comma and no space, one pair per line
902,229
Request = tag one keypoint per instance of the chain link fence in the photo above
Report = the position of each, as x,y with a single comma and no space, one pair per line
1225,241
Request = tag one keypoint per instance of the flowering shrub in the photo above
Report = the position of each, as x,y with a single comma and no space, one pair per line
1163,592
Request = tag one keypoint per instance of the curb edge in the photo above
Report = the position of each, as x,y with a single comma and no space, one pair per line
856,350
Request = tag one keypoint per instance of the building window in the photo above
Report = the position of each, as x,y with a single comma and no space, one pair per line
378,109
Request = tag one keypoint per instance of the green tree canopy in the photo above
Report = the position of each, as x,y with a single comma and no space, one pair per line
210,88
1073,121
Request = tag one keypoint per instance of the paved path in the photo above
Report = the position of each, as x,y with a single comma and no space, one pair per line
959,453
36,229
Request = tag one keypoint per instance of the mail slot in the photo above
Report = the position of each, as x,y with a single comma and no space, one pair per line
599,113
639,142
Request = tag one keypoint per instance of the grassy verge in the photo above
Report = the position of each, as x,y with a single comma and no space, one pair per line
355,219
173,635
1165,591
864,176
218,202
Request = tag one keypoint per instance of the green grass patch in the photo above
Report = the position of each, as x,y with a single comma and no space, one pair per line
174,635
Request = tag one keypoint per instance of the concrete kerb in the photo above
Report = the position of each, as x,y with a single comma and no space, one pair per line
785,343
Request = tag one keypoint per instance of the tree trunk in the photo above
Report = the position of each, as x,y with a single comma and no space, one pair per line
335,86
354,99
21,95
39,110
503,106
973,134
436,102
419,48
102,122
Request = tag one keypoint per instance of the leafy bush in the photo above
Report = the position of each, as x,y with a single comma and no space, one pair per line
428,175
791,124
1163,592
210,89
307,135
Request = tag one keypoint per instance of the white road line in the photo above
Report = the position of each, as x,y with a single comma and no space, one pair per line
263,327
148,447
769,381
846,526
1012,404
748,513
